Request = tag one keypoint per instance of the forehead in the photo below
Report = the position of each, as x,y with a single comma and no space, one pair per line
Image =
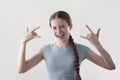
58,21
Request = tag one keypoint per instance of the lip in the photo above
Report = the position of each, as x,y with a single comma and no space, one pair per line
60,36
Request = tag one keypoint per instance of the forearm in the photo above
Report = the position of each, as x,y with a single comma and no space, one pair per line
21,58
105,55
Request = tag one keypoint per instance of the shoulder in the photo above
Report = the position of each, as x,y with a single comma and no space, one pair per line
81,46
82,50
46,46
45,49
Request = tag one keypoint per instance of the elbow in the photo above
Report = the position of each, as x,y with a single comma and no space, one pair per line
21,71
112,67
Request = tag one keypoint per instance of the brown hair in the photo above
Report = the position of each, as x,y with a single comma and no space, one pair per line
64,15
76,57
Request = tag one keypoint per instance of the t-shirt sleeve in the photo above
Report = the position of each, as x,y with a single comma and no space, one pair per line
42,50
82,51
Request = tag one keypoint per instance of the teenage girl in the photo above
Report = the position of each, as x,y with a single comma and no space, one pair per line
64,56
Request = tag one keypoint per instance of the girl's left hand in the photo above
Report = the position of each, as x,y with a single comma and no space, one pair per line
92,37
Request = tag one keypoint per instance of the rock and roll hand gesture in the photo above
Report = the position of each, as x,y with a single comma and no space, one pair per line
30,34
92,37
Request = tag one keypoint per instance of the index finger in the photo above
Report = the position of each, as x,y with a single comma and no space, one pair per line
89,29
34,29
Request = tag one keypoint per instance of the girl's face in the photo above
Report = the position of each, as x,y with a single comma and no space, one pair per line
60,29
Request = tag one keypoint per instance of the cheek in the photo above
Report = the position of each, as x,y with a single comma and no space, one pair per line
66,30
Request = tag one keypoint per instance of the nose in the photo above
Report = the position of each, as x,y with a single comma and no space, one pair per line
58,30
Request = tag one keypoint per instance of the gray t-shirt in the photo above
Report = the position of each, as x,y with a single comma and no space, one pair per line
60,61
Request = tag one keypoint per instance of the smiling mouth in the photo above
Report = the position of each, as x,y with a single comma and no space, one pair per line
60,36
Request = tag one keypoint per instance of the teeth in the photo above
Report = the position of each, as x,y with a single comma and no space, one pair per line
60,36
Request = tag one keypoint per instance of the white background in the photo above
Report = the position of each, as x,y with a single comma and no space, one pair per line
16,15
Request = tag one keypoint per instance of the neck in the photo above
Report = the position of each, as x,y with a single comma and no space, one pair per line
62,44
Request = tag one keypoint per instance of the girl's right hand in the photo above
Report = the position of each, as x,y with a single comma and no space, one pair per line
30,34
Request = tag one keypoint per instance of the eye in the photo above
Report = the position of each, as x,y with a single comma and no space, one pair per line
54,28
62,26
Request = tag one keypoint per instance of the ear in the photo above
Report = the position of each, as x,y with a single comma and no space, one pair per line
70,27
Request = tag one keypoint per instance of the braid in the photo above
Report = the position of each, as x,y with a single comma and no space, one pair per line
76,57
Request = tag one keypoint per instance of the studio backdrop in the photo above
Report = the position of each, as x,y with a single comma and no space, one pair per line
16,15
